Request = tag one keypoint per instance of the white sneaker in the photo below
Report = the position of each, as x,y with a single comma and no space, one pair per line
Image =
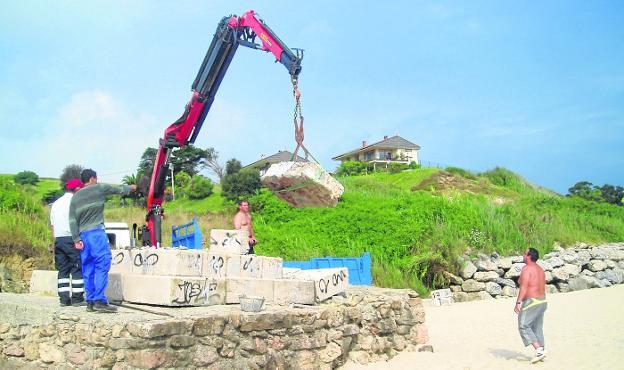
539,356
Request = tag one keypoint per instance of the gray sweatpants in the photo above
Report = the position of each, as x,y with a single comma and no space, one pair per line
531,320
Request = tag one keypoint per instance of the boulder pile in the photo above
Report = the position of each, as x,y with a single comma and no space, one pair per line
583,266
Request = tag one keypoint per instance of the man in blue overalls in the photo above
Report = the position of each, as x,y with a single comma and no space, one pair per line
86,222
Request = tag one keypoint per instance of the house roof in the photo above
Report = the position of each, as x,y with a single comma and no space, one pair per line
281,156
394,142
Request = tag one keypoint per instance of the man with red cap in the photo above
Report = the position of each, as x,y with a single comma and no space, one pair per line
66,257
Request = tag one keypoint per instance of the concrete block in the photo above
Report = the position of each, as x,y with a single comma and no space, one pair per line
249,286
173,291
328,282
229,241
287,291
290,272
44,282
303,184
121,261
114,289
167,261
215,265
272,267
249,266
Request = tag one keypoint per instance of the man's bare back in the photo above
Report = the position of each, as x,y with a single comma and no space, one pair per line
534,279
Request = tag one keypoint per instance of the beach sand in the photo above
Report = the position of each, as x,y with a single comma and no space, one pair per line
583,330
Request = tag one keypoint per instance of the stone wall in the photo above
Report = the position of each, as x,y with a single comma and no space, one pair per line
370,324
583,266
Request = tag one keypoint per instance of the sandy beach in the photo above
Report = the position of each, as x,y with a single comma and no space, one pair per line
583,330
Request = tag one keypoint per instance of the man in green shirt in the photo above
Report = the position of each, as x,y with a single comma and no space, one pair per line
86,222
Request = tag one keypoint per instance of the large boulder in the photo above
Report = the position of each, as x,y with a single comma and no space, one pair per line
303,184
504,263
493,288
484,263
596,265
545,265
468,269
484,276
514,271
560,274
571,269
506,282
585,282
472,286
555,261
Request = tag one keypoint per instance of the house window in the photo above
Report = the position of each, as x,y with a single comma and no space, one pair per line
385,155
368,156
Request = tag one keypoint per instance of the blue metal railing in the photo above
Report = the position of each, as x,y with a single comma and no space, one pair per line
187,235
359,267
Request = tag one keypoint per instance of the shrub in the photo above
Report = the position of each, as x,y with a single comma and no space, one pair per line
52,195
414,166
397,167
241,185
200,187
26,177
351,168
461,172
505,178
13,198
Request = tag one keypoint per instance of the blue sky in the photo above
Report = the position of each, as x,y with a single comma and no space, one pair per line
536,87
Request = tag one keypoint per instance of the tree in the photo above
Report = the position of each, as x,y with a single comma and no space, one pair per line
129,179
71,171
241,185
233,166
146,164
199,188
586,190
212,163
26,178
612,194
189,159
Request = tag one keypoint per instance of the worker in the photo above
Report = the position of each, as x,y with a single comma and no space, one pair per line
66,257
242,221
86,221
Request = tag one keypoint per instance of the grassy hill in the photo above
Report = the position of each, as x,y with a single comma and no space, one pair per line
415,223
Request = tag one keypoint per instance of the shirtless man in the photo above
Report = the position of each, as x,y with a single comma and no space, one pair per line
531,304
242,221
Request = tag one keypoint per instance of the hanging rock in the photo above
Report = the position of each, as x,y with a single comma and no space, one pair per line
303,184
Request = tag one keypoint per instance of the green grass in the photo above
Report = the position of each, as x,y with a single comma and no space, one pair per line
415,223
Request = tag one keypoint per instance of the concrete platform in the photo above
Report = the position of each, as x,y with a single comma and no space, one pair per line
167,261
303,184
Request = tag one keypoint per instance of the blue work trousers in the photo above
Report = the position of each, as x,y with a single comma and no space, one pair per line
96,262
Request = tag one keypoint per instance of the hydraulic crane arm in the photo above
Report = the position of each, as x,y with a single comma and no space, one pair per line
231,32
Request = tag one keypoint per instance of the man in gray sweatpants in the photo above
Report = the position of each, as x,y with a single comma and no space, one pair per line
531,304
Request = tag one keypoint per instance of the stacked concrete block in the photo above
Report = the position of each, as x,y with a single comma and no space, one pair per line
121,261
327,282
229,241
174,262
303,184
173,290
287,291
249,287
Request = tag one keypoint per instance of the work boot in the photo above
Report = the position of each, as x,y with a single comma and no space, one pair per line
65,304
78,303
90,306
104,307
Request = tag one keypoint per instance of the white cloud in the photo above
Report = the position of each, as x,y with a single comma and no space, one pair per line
92,129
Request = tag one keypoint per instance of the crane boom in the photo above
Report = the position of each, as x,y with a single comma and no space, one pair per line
231,32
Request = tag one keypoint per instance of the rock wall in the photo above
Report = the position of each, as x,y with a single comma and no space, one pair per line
370,324
583,266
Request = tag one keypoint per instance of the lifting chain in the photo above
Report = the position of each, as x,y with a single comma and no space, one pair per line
298,121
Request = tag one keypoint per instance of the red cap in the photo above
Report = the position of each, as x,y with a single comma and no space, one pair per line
74,184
